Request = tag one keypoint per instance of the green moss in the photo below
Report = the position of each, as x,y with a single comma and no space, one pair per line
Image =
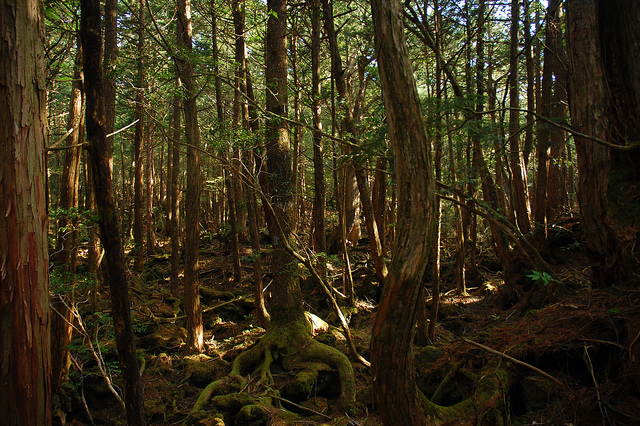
251,415
233,402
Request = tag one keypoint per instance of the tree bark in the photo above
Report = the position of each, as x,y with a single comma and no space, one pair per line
66,253
195,327
286,298
100,151
138,141
604,81
519,193
392,369
319,210
25,363
552,105
175,174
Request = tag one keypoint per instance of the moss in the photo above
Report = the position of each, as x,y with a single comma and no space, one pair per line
251,415
485,407
232,403
305,381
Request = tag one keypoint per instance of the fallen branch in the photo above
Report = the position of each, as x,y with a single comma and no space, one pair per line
302,407
516,361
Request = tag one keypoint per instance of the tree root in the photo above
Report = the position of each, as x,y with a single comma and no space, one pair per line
486,406
289,344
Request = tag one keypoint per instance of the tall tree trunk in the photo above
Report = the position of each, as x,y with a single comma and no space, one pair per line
603,45
531,97
553,106
379,199
109,66
148,167
350,129
319,232
286,298
195,327
394,383
519,192
66,253
173,180
25,363
138,141
101,160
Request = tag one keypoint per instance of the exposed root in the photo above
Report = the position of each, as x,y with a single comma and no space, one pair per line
289,344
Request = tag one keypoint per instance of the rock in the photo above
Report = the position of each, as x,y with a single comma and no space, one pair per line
199,370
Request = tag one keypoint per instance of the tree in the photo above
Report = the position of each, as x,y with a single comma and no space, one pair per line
604,83
195,327
392,368
66,253
288,328
100,152
25,364
138,142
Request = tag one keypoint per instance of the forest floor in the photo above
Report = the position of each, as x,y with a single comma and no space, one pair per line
570,362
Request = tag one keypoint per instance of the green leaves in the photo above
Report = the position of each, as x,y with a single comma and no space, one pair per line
543,277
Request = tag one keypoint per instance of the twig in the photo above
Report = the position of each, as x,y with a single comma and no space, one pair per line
587,358
302,407
84,401
631,346
210,308
516,361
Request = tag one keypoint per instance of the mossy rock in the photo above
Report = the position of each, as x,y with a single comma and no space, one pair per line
199,370
251,415
427,356
208,295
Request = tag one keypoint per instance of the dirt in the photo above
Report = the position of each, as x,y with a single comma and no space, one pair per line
576,360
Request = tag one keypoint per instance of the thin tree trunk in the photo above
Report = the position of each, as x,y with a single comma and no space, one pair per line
519,192
319,211
553,85
138,142
349,127
25,363
379,200
100,150
173,180
149,227
195,327
66,253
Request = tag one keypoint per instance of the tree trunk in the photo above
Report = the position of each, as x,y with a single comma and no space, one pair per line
604,50
519,192
195,327
148,223
350,129
66,252
553,106
286,299
25,363
392,368
138,141
173,184
100,151
319,210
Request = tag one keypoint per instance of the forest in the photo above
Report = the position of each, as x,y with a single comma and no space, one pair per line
323,212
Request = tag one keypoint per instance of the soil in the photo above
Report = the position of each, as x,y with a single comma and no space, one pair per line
571,362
